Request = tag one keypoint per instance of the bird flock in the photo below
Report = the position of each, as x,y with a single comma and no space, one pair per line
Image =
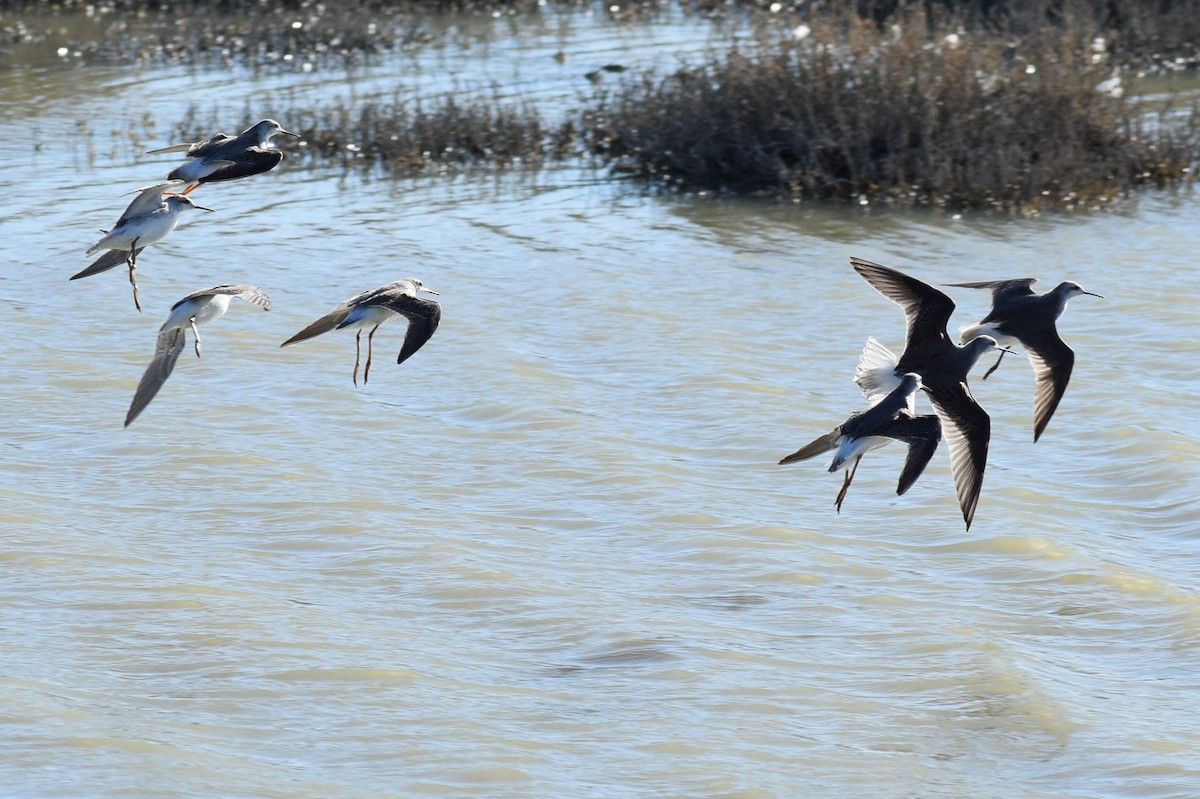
153,214
933,363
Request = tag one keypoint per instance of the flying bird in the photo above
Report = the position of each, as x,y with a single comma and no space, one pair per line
192,311
147,220
225,157
890,418
943,367
1020,315
373,308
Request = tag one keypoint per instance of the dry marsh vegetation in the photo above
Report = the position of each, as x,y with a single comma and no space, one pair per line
919,115
1002,104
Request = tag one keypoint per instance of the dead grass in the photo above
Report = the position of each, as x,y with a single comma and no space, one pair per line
916,114
407,137
991,104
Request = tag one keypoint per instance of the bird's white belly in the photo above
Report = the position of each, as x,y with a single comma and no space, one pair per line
850,449
144,230
197,168
972,332
201,311
367,316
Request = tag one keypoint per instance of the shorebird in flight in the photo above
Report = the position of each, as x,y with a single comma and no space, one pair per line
890,418
373,308
148,219
192,311
1020,315
224,157
943,367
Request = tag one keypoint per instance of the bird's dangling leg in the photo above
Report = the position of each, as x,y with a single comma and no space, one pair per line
132,261
996,365
367,371
190,189
196,332
357,350
846,485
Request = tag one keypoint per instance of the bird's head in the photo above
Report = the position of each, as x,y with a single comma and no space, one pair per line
418,287
267,128
1069,289
180,202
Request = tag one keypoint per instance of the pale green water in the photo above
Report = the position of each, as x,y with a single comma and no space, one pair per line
551,555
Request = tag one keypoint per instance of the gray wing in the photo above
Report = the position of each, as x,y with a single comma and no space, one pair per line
149,199
251,294
105,262
323,325
378,296
423,318
817,446
170,345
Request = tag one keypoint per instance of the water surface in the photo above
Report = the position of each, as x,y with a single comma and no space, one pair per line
552,555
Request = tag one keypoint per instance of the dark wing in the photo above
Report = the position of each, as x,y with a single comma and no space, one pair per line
423,318
1004,292
817,446
211,146
105,262
170,344
196,149
968,431
922,434
251,294
1052,362
876,419
253,161
926,309
1020,285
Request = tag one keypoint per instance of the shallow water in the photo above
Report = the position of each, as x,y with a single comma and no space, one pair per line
552,555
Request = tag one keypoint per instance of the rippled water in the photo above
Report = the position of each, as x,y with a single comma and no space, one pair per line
552,555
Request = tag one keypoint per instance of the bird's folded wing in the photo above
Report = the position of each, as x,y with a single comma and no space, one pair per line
1022,284
174,148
